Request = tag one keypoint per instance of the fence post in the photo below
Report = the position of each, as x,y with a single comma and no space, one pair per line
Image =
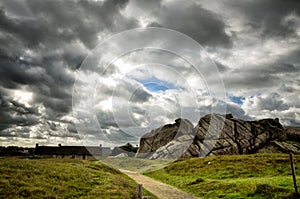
140,191
293,173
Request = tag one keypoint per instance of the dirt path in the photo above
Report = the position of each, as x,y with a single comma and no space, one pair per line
161,190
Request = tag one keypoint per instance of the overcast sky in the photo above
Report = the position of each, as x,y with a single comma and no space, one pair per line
254,44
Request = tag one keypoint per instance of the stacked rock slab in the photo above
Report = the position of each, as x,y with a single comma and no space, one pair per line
215,134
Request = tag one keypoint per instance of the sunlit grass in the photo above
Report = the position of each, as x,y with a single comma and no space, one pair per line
246,176
62,178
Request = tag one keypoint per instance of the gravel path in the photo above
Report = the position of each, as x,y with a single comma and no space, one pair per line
161,190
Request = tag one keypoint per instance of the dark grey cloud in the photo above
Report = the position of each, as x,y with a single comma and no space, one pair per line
269,17
42,43
52,29
140,95
221,67
50,83
279,70
205,26
149,5
106,120
14,114
271,102
8,134
52,22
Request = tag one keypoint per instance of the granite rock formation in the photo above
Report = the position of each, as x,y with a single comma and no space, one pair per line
152,141
224,135
217,134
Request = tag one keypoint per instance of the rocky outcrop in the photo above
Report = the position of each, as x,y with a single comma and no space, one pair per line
121,155
292,133
286,146
222,134
215,134
161,136
174,149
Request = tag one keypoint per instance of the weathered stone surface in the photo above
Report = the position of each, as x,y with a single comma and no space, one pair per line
161,136
217,134
223,134
286,147
292,133
174,149
281,147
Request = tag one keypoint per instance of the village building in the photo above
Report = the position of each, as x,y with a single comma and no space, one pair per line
72,151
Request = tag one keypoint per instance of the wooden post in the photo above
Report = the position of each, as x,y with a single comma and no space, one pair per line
101,153
140,191
294,173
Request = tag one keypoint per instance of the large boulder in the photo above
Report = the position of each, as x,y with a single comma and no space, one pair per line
152,141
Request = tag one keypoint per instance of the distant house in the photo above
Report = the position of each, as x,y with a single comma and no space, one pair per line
72,151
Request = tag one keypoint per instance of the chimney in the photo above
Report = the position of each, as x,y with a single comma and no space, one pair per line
59,145
101,154
36,145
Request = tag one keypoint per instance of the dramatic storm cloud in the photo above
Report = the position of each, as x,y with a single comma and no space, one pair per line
254,44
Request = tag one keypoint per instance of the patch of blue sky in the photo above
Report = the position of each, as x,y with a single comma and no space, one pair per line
237,99
155,85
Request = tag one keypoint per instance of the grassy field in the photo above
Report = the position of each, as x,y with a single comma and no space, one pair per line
62,178
136,164
246,176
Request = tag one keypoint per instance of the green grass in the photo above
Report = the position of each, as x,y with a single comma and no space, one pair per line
245,176
62,178
135,164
